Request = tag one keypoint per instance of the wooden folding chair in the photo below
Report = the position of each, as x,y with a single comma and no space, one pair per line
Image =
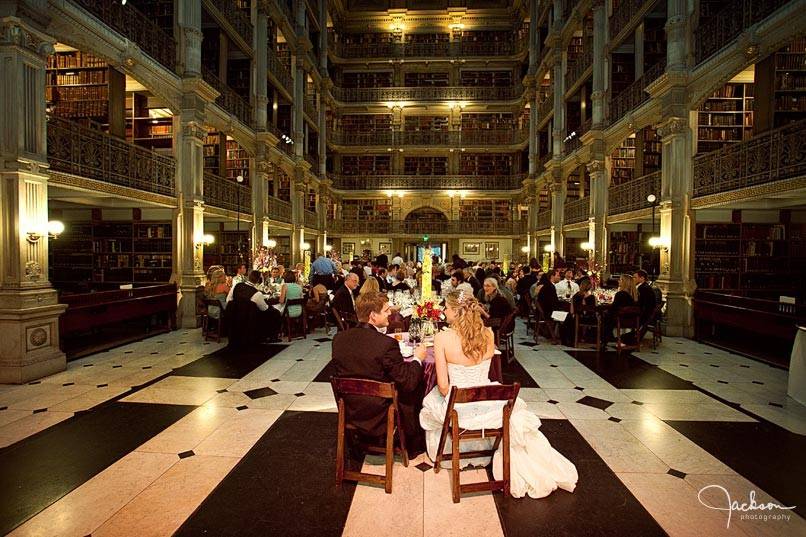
584,322
369,388
212,328
495,392
506,335
628,317
295,327
654,326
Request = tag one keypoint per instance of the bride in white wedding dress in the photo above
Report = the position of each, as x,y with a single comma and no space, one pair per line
462,355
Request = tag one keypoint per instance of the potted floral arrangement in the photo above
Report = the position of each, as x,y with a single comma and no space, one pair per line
425,316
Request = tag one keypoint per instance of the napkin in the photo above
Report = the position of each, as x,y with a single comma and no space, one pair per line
406,312
559,316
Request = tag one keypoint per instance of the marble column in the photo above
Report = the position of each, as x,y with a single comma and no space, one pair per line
188,17
29,306
298,120
261,69
299,189
558,189
599,63
597,228
677,224
260,195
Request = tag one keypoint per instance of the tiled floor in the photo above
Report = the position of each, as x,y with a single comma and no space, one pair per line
174,435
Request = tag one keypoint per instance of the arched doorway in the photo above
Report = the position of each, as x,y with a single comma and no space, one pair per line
425,222
426,214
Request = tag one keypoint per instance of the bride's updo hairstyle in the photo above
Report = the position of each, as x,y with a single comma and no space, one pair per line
468,323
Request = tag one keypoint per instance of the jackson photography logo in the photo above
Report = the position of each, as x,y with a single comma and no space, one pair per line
749,511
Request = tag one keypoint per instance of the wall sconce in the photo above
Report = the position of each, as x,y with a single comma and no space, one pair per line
548,248
54,229
451,193
305,246
204,240
661,243
271,244
525,249
462,194
587,246
400,194
328,247
389,193
457,27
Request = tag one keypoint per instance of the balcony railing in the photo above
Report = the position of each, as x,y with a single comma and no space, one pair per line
311,220
96,155
225,194
623,14
428,182
578,67
468,138
280,72
287,7
313,160
286,148
448,93
772,156
420,227
635,94
236,17
428,50
726,25
576,210
575,141
132,24
631,195
544,219
309,107
229,100
545,107
279,210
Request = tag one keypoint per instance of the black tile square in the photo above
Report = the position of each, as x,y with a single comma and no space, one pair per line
553,365
180,353
242,407
776,405
528,343
68,384
34,382
102,385
155,352
680,352
275,380
595,402
259,392
3,408
186,454
423,466
683,365
552,401
745,366
758,382
322,339
637,403
229,363
88,365
146,367
714,365
722,382
39,410
578,388
707,353
116,366
676,473
615,420
222,390
299,394
128,352
299,359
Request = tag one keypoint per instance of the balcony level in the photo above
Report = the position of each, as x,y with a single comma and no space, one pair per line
426,94
500,138
428,182
435,229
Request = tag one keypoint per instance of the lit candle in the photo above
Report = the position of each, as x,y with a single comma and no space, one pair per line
427,274
306,257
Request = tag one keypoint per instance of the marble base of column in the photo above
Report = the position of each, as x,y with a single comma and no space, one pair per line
186,312
679,314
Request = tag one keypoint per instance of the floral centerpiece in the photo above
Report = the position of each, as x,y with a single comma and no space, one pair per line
604,296
264,259
594,272
424,318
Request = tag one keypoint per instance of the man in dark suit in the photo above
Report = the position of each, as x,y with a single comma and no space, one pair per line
364,352
380,276
524,284
344,297
646,296
549,302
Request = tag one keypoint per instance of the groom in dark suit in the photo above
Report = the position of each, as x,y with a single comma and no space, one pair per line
364,352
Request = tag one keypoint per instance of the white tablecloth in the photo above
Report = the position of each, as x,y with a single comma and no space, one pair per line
797,368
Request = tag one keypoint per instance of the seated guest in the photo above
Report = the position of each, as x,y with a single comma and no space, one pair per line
322,270
525,283
291,290
549,303
646,296
495,304
472,280
458,282
216,287
442,275
582,298
317,300
276,277
240,274
249,317
627,295
343,298
400,282
504,290
364,352
380,277
567,287
370,286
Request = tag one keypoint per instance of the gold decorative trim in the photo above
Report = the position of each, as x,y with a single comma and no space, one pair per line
749,193
628,216
92,185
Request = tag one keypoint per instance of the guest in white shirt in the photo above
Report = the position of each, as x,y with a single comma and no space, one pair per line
567,287
397,260
459,284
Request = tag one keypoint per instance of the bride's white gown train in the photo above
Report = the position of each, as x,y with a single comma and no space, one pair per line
536,468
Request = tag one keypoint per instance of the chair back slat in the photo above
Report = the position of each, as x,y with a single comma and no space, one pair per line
629,312
493,392
353,386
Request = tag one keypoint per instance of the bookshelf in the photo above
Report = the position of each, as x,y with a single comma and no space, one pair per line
369,38
639,154
376,209
752,259
210,48
486,210
427,39
238,72
499,79
224,251
161,12
113,252
237,162
425,123
485,164
148,125
499,121
367,79
629,250
283,185
725,117
425,165
654,41
212,153
790,83
366,165
622,73
365,123
418,80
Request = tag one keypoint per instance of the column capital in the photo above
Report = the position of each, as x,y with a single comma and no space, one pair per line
673,126
18,34
595,167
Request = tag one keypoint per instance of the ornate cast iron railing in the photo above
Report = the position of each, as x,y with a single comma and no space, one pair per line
772,156
279,210
449,93
546,106
469,138
311,220
429,50
579,66
313,160
131,23
93,154
280,72
576,210
623,14
236,17
575,142
631,195
428,182
310,109
544,219
724,26
635,95
225,194
287,7
229,99
420,227
286,148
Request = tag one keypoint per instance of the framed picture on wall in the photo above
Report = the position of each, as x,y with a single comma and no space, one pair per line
471,248
347,250
491,250
385,248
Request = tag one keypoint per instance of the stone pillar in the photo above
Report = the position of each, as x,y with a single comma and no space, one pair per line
558,189
188,16
261,69
533,119
260,195
298,121
559,104
534,45
599,63
678,36
29,306
322,123
299,190
677,225
597,229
